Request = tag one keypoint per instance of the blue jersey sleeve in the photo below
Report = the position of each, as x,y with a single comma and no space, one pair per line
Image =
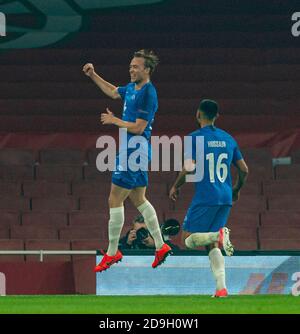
237,155
122,91
146,105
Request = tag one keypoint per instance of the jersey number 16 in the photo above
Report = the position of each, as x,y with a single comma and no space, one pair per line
220,169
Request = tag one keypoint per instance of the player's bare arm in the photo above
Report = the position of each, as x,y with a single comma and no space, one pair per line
189,166
106,87
241,179
136,127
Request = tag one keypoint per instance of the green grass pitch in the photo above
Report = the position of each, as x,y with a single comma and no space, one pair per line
256,304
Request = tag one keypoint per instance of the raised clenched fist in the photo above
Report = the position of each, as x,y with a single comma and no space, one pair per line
88,69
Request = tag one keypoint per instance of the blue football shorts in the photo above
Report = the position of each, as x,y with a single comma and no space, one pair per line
206,218
129,179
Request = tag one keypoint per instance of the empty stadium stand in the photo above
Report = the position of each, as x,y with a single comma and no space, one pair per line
73,210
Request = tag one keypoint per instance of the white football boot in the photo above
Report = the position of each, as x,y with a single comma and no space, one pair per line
224,241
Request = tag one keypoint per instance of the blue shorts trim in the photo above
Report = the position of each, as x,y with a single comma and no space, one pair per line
206,218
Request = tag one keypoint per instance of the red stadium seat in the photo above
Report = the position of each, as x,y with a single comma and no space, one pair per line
82,232
260,156
91,188
16,173
88,219
4,233
59,173
284,202
48,245
243,219
94,203
245,244
89,244
251,188
8,219
10,189
220,89
275,232
160,203
45,219
257,173
14,245
284,172
196,39
232,57
243,237
62,157
280,218
280,244
13,157
249,203
224,79
243,231
164,177
157,188
14,203
46,189
256,112
92,173
33,232
281,187
62,204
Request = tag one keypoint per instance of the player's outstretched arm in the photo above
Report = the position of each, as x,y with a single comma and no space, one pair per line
106,87
241,179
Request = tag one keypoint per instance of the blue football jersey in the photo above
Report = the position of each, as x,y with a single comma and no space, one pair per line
141,103
220,151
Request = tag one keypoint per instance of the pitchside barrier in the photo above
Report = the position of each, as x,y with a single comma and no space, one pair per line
188,273
42,253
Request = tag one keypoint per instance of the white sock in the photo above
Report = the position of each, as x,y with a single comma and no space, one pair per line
201,239
151,221
115,225
217,265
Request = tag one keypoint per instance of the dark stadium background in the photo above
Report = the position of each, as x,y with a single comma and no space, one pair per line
241,53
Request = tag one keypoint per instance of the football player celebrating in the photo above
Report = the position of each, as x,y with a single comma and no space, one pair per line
205,220
140,106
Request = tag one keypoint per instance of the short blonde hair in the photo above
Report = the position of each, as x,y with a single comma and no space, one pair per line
151,59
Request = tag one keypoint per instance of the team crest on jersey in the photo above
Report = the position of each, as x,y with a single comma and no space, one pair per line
50,21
